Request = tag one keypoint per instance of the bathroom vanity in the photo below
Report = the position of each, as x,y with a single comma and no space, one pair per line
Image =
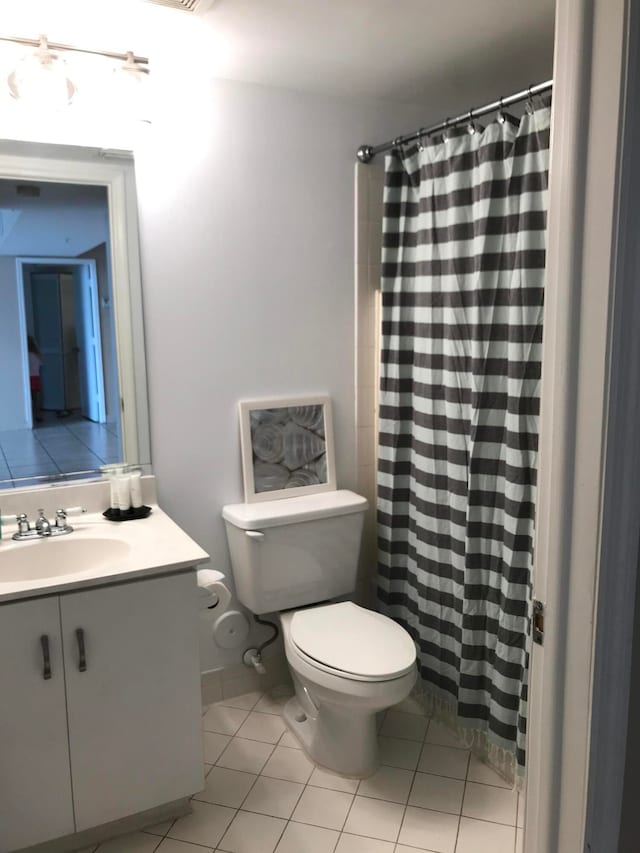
99,678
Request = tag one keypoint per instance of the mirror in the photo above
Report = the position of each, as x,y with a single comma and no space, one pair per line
73,393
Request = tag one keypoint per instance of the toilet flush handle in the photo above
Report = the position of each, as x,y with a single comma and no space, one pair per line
256,535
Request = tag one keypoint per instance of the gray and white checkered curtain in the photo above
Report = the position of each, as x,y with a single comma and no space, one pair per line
462,298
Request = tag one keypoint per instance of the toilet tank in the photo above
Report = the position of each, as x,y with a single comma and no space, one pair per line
296,551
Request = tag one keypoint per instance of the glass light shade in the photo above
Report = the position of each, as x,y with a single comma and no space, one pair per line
41,81
129,89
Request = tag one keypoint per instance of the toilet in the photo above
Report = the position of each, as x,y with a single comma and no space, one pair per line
295,557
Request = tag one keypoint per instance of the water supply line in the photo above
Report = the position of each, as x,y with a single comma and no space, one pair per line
253,657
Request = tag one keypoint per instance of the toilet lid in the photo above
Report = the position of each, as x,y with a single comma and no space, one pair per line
353,640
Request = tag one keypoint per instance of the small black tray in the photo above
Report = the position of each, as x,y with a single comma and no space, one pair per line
127,514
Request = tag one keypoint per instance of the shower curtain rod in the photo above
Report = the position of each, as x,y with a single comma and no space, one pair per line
366,153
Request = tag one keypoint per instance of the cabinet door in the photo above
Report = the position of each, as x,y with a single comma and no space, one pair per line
35,782
133,696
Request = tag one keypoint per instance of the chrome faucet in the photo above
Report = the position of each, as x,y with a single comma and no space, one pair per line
42,528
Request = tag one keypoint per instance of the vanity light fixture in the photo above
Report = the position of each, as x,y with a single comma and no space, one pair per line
40,78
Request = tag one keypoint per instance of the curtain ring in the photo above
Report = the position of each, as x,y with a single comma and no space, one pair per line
501,116
445,132
471,128
529,101
420,134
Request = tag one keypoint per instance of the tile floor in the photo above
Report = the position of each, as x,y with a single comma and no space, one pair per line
263,795
56,449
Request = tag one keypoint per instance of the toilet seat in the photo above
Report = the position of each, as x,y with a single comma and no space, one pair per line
350,642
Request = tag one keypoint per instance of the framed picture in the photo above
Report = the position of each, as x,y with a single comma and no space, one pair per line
287,447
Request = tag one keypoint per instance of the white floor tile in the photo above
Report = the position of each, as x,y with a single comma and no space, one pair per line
479,836
429,830
396,752
437,793
246,701
360,844
252,833
224,720
290,740
170,845
265,727
274,700
410,705
274,797
290,764
402,725
402,848
441,735
322,807
481,772
159,828
444,761
138,842
488,803
375,818
387,783
226,787
247,755
302,838
324,779
206,824
214,745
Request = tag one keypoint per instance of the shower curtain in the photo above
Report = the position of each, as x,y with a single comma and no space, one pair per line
462,296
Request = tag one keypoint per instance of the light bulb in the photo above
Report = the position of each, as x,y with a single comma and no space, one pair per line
40,80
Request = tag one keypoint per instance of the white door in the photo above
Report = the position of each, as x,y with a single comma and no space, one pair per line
35,782
89,344
133,696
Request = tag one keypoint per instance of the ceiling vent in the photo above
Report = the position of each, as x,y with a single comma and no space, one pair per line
200,6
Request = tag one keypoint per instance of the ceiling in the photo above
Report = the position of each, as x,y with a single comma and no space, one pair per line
407,50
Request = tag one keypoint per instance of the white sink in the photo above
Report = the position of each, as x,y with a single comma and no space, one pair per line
48,558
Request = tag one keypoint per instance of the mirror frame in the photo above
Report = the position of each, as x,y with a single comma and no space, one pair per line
113,170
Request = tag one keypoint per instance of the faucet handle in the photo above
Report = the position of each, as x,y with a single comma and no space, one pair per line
23,523
61,518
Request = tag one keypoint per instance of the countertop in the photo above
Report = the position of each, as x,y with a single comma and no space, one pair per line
156,545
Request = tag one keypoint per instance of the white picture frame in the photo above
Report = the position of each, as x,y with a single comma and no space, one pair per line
287,447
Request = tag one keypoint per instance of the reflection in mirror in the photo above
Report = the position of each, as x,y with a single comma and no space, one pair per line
73,381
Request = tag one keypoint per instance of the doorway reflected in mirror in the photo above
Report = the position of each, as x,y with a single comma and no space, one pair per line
59,394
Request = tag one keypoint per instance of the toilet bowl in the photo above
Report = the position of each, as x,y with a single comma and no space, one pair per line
347,664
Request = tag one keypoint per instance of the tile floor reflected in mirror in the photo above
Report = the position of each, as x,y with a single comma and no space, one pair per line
55,450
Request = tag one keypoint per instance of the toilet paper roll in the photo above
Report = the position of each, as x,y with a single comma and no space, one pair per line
213,593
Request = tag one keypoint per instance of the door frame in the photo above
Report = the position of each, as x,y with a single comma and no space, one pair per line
588,507
35,260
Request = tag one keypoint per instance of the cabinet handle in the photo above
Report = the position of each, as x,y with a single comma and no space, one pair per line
46,659
82,655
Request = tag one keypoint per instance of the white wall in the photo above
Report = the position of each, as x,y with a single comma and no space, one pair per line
246,221
247,233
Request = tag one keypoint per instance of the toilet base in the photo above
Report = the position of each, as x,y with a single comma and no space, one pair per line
344,743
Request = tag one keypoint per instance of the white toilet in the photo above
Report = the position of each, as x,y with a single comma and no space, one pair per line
347,663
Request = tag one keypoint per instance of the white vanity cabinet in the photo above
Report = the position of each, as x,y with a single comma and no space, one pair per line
116,729
35,783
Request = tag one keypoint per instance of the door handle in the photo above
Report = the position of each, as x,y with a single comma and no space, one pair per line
46,659
82,654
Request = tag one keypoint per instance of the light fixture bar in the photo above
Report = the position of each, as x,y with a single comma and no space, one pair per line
143,60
